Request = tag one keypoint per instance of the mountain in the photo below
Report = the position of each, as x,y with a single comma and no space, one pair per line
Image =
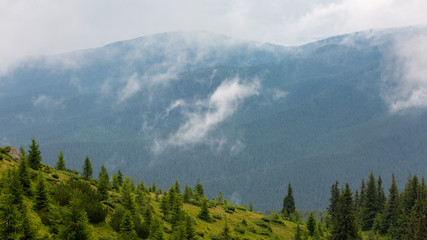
246,118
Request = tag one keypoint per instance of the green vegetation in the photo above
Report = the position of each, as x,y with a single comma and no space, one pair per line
36,205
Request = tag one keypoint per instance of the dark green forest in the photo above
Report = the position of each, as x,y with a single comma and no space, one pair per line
41,202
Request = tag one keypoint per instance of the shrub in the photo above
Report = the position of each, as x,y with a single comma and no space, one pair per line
55,176
216,216
239,229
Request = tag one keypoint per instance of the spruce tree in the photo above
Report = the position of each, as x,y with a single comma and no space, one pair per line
381,199
41,194
103,182
9,217
127,227
127,198
34,155
251,207
24,177
311,224
115,182
391,208
204,211
177,187
76,226
60,164
370,205
345,226
198,191
226,231
333,205
298,233
288,202
188,193
120,177
87,168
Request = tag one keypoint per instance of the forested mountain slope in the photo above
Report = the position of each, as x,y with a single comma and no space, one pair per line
246,118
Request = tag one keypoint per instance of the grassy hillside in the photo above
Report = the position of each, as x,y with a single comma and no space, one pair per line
51,221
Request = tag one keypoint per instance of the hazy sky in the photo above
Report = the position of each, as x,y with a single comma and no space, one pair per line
33,27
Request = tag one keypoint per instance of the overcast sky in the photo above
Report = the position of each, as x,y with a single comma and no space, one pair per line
34,27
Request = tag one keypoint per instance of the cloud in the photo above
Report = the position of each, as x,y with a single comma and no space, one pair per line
405,76
132,86
208,114
46,102
56,26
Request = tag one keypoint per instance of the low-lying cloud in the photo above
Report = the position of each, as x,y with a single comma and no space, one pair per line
208,113
47,102
406,75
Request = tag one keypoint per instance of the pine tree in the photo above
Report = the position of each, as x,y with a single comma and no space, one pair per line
87,168
298,233
120,177
345,226
76,226
189,228
417,226
381,199
251,207
204,211
60,164
311,224
34,155
226,231
127,196
288,202
188,193
115,182
198,191
103,182
333,205
41,194
9,217
391,208
24,177
177,187
127,227
370,205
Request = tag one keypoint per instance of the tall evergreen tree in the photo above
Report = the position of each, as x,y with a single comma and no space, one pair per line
198,191
41,194
115,182
370,204
204,211
188,193
333,201
127,227
381,199
34,155
345,226
391,208
311,224
298,233
288,202
60,164
24,177
120,177
76,226
103,182
9,217
87,168
127,198
177,187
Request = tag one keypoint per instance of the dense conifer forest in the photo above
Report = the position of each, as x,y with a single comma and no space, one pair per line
38,201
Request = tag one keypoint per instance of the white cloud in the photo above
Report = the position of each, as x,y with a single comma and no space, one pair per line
209,114
50,26
406,74
46,102
132,86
